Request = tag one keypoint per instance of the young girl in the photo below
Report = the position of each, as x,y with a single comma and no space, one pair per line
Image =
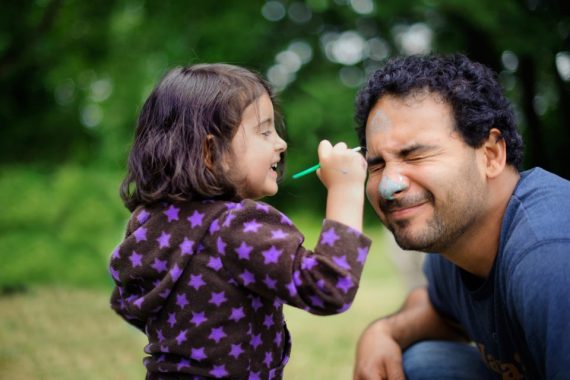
204,268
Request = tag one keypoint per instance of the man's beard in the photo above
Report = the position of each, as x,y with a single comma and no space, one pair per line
439,232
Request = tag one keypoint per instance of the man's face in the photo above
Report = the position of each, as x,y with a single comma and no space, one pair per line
425,183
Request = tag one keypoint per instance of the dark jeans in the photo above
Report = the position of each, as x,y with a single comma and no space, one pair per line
442,360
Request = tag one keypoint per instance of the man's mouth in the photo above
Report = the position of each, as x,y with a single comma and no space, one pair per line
395,205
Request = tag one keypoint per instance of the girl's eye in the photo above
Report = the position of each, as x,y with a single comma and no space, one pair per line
267,133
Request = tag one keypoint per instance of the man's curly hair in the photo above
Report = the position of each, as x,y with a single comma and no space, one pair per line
470,88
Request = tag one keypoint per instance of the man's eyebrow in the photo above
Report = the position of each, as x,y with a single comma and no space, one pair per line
372,161
416,149
404,153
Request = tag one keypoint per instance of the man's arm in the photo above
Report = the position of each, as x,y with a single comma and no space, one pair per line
379,350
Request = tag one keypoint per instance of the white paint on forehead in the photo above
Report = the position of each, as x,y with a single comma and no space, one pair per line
379,121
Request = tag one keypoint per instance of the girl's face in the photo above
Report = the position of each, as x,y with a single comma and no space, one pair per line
256,150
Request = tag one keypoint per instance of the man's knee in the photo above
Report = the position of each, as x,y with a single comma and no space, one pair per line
441,360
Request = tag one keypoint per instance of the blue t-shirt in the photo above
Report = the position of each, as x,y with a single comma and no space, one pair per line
519,317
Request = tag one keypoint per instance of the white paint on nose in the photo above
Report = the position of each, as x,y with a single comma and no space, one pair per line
389,186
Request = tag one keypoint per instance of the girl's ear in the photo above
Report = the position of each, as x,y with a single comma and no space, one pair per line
208,152
495,151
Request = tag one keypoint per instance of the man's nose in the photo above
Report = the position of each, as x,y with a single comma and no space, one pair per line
393,182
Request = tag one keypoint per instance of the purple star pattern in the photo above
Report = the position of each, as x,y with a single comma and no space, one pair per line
278,338
252,226
159,265
317,301
292,289
256,303
165,293
308,263
228,220
237,314
160,335
198,354
341,262
136,259
181,337
196,281
196,219
362,254
181,300
217,334
268,321
175,273
255,341
236,350
218,298
172,213
277,303
143,216
262,207
286,220
206,312
254,376
215,263
243,251
344,307
215,226
140,234
271,283
272,255
171,319
221,246
247,277
163,240
345,284
115,274
231,205
329,237
183,364
219,371
268,359
138,302
186,246
198,318
278,234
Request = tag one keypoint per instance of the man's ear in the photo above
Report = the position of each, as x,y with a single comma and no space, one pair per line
495,152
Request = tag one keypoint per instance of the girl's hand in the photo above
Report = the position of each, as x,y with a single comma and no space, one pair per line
340,166
343,173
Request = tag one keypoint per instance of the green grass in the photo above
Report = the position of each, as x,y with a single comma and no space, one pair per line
64,333
55,321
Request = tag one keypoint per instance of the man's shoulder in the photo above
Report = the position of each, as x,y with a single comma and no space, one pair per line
539,207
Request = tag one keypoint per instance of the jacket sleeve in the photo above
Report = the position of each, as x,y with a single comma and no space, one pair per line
264,252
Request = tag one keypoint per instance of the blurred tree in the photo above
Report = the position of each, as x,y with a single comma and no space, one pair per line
74,74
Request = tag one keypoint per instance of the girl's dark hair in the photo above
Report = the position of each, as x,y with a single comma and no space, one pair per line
184,130
470,88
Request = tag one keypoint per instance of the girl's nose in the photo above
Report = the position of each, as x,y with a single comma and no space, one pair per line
392,183
281,145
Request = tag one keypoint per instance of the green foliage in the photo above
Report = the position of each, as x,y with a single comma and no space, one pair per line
74,75
58,226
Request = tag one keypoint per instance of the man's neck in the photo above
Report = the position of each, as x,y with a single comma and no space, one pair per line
476,250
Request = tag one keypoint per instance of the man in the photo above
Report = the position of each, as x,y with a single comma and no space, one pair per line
443,155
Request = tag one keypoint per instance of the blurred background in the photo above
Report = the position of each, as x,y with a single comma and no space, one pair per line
74,75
